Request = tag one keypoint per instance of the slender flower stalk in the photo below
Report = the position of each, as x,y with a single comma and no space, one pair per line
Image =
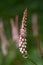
15,35
35,25
36,33
22,39
3,39
16,21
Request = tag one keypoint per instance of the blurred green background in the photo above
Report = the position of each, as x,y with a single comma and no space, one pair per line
11,8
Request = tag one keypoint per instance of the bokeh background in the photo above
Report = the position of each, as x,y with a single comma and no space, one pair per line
11,8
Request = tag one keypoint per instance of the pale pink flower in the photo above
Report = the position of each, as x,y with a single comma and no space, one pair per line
3,39
15,35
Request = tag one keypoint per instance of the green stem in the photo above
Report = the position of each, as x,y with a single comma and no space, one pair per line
32,61
29,59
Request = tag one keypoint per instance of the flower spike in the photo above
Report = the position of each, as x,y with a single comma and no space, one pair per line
22,38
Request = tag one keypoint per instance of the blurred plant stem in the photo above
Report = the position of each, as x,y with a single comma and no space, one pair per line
35,28
39,47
